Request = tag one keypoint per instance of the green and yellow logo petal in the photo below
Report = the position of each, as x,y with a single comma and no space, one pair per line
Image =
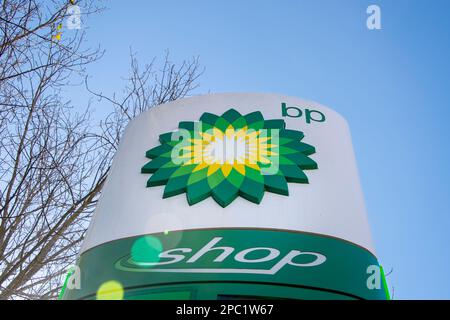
229,156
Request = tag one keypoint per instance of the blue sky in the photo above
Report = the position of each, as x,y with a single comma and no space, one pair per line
392,85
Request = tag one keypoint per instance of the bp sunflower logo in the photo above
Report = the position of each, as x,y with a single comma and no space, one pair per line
229,156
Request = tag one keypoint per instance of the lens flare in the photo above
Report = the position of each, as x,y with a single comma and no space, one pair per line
110,290
146,249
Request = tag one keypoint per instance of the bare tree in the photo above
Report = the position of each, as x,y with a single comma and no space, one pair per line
45,148
146,87
53,160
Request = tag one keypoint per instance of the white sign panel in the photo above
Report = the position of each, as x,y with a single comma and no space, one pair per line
330,203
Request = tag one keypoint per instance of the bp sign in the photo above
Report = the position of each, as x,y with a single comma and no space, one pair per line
227,156
231,196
